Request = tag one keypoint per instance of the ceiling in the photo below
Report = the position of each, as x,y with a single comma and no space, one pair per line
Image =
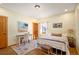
45,10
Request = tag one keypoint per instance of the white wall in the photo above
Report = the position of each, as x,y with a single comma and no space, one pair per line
77,27
67,19
13,19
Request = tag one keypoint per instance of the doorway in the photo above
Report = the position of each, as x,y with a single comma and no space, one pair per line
35,30
3,31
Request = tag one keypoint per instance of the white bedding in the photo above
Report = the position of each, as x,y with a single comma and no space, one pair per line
63,38
56,42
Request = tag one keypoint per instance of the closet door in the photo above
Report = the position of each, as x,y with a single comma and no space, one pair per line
3,31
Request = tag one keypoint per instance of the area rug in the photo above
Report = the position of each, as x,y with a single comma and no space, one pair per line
24,49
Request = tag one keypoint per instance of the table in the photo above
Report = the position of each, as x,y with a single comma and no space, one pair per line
20,36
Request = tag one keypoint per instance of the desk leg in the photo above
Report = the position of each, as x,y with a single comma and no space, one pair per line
19,41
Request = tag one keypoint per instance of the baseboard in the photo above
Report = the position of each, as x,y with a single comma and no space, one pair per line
12,45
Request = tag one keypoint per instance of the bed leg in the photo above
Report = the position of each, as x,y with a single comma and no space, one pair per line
61,52
56,51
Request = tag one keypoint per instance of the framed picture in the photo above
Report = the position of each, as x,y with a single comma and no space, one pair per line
22,26
57,25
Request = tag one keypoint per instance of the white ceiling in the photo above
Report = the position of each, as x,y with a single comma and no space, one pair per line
45,10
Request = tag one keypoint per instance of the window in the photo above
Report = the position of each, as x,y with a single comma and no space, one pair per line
43,28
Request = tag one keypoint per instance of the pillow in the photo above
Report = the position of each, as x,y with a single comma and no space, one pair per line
56,34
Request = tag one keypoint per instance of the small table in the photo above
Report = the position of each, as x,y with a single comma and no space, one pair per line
20,37
71,41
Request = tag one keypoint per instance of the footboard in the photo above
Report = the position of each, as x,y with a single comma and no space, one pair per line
55,44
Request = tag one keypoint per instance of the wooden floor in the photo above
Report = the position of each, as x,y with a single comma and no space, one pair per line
73,51
9,51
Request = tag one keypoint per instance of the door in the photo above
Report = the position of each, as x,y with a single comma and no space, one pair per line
35,30
3,31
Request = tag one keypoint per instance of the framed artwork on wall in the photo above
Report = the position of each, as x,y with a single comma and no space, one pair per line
57,25
22,26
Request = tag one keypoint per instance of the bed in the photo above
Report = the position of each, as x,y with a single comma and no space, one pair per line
60,43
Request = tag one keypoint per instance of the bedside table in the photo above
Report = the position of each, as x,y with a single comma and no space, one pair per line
71,41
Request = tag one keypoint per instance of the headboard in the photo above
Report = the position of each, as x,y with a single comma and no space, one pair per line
56,34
